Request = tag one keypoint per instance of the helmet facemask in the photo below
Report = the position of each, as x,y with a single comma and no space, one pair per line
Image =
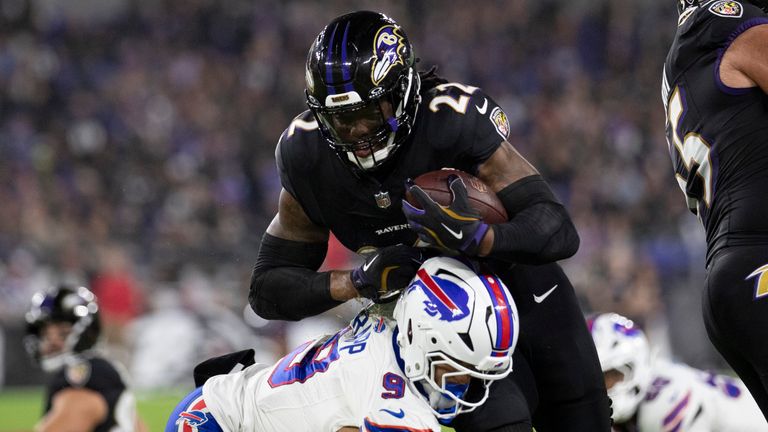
625,359
386,115
685,4
626,393
450,396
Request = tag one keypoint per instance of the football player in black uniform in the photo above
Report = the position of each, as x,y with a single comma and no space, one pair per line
715,93
373,123
86,392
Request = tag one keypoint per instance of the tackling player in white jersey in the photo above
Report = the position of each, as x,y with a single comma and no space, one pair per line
659,396
452,327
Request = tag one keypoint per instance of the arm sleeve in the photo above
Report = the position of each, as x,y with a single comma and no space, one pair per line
285,283
539,230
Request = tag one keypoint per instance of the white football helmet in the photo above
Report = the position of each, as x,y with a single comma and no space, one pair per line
451,316
624,348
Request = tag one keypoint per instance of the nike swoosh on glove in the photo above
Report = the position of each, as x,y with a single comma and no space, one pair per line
457,227
387,272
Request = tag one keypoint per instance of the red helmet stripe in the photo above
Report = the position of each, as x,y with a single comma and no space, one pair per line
503,311
439,293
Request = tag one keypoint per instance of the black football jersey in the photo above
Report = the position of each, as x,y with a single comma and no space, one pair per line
717,135
101,376
457,126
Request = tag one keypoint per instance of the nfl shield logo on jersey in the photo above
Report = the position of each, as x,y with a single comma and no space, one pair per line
382,199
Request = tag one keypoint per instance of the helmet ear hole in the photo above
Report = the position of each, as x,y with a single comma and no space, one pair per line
410,332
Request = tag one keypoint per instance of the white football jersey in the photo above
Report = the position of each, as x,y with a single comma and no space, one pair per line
682,398
348,379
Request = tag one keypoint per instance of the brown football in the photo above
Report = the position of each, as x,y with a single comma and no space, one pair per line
481,197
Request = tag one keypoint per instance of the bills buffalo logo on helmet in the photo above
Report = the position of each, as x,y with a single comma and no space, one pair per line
728,9
446,299
388,48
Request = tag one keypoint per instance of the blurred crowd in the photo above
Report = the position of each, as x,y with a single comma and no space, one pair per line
137,150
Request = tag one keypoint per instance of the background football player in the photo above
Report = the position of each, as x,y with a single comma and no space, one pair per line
654,395
86,391
373,123
452,328
715,93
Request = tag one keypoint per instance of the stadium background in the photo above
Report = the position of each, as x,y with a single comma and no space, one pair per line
136,156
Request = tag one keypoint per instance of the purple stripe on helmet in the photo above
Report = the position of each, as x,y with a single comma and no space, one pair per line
626,329
329,63
344,64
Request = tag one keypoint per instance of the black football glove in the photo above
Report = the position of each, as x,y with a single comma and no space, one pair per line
457,227
386,272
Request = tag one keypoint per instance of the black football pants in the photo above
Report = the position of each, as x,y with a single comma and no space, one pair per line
557,383
735,308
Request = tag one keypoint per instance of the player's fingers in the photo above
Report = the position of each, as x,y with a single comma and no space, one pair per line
415,225
420,231
401,254
421,197
417,256
411,212
458,190
410,257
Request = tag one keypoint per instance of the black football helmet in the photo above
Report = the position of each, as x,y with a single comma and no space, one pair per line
74,305
685,4
360,71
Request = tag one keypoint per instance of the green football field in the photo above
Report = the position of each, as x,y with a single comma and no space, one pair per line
20,408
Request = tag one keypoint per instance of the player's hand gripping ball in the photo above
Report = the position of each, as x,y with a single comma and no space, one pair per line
447,213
